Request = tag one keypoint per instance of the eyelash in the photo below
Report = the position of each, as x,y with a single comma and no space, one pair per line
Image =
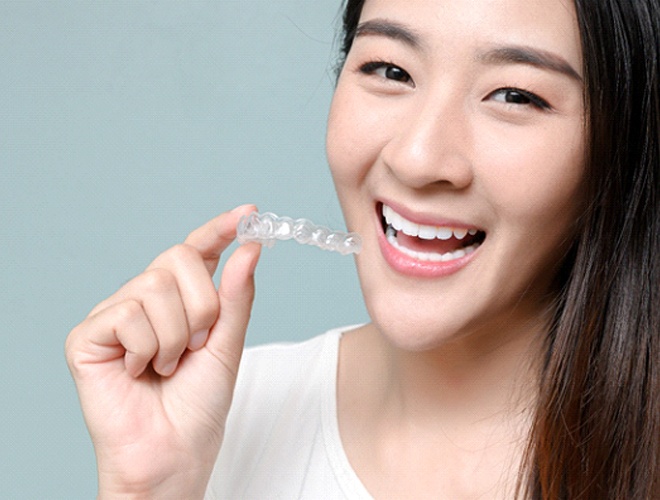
369,68
533,99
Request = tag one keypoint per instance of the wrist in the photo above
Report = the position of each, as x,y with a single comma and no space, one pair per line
187,484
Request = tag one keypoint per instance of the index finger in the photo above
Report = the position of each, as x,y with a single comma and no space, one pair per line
211,239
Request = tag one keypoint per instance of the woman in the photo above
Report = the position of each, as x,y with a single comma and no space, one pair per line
501,162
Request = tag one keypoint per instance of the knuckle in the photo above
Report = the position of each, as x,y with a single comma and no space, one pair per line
69,346
97,308
182,253
126,317
158,280
74,363
74,351
204,311
126,312
193,234
240,296
146,346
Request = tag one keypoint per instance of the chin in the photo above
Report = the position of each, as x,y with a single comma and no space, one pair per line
412,332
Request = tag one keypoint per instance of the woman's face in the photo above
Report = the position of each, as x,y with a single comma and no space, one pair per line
456,142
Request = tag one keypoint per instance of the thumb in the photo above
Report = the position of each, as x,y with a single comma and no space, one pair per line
236,294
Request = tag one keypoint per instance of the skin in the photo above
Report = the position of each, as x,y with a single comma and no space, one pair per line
442,404
139,367
432,395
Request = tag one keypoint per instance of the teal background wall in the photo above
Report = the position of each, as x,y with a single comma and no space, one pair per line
123,126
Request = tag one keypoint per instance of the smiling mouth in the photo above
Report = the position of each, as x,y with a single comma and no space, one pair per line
429,243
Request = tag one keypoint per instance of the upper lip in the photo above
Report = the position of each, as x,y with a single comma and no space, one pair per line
427,219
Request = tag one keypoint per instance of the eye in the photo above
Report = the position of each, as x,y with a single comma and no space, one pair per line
518,97
387,71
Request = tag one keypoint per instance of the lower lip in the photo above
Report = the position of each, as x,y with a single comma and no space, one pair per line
405,264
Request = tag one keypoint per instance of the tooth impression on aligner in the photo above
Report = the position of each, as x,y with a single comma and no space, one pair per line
266,228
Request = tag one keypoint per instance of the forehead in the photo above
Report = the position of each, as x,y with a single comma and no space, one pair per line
461,24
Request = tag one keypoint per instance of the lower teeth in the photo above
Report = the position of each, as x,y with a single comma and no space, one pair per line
428,256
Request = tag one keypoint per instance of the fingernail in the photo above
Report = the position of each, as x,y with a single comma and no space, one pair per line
169,368
197,340
241,208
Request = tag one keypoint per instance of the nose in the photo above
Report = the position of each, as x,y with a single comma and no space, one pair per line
430,145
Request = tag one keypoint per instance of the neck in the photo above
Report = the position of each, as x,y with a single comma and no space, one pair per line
476,378
470,377
455,418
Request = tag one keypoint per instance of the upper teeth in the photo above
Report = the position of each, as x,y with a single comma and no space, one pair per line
422,231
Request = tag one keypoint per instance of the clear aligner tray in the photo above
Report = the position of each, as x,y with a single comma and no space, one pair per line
266,228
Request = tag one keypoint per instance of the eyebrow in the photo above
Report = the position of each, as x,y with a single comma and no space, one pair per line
389,29
529,56
516,54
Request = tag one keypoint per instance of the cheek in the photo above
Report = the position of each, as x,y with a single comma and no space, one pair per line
355,134
342,150
344,153
537,181
336,140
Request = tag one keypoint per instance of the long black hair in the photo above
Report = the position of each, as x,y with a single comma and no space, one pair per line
596,432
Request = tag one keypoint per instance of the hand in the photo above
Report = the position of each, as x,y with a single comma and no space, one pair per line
155,365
